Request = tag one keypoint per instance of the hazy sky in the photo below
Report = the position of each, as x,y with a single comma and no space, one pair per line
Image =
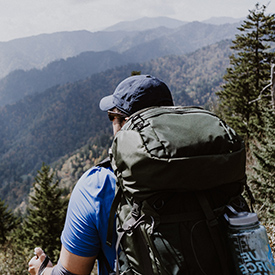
21,18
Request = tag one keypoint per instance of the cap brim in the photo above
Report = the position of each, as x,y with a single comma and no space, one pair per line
106,103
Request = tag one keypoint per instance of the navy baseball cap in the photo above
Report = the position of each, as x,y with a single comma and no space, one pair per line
136,93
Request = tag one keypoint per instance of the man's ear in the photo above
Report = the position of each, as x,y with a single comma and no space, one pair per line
124,121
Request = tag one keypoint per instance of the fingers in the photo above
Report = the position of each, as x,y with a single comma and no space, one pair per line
33,266
40,253
36,261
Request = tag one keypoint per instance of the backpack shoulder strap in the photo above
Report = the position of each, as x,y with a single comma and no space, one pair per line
106,163
102,257
112,215
213,229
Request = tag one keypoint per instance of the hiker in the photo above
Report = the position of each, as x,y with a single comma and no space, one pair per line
85,230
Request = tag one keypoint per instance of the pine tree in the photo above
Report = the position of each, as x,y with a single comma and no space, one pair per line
263,179
249,71
7,222
44,224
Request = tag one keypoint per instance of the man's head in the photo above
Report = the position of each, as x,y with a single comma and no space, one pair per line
133,94
136,93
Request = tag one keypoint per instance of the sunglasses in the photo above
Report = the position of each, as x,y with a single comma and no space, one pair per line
112,115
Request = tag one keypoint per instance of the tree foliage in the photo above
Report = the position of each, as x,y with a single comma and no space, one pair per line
263,178
249,71
14,259
47,211
7,222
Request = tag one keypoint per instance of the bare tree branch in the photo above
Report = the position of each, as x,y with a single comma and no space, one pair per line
272,85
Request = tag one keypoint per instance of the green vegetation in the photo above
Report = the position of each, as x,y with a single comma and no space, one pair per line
262,176
46,214
249,72
246,103
7,222
42,225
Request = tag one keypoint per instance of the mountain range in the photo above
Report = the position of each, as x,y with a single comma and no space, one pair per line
38,51
51,112
133,47
146,23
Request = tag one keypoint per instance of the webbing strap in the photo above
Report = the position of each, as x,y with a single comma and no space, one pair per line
130,226
43,265
251,197
112,216
102,256
214,230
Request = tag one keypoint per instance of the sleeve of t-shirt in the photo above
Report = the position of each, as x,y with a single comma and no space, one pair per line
86,212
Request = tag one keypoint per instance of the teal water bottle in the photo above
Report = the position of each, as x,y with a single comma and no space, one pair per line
249,245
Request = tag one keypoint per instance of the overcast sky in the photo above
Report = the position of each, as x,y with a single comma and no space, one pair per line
21,18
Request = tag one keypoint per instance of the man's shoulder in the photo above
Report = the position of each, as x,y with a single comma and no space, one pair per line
103,168
96,180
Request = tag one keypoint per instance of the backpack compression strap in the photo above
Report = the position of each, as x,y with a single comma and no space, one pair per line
214,230
131,225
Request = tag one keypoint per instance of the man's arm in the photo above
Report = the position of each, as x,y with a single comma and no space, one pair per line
74,264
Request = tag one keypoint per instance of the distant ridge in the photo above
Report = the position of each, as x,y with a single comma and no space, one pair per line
135,47
222,20
20,83
146,23
38,51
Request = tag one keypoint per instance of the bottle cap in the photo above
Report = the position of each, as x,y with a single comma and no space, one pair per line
243,218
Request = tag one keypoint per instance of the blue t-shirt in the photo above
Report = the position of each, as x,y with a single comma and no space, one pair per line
87,217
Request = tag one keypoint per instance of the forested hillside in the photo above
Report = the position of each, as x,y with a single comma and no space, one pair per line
20,83
46,126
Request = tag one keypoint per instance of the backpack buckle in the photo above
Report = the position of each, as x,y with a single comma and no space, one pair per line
135,210
213,222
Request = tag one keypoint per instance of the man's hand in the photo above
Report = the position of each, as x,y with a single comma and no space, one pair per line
36,261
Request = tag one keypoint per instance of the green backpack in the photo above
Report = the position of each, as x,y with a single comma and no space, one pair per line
177,168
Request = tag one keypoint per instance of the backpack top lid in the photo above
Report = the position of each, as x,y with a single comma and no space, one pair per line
177,149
